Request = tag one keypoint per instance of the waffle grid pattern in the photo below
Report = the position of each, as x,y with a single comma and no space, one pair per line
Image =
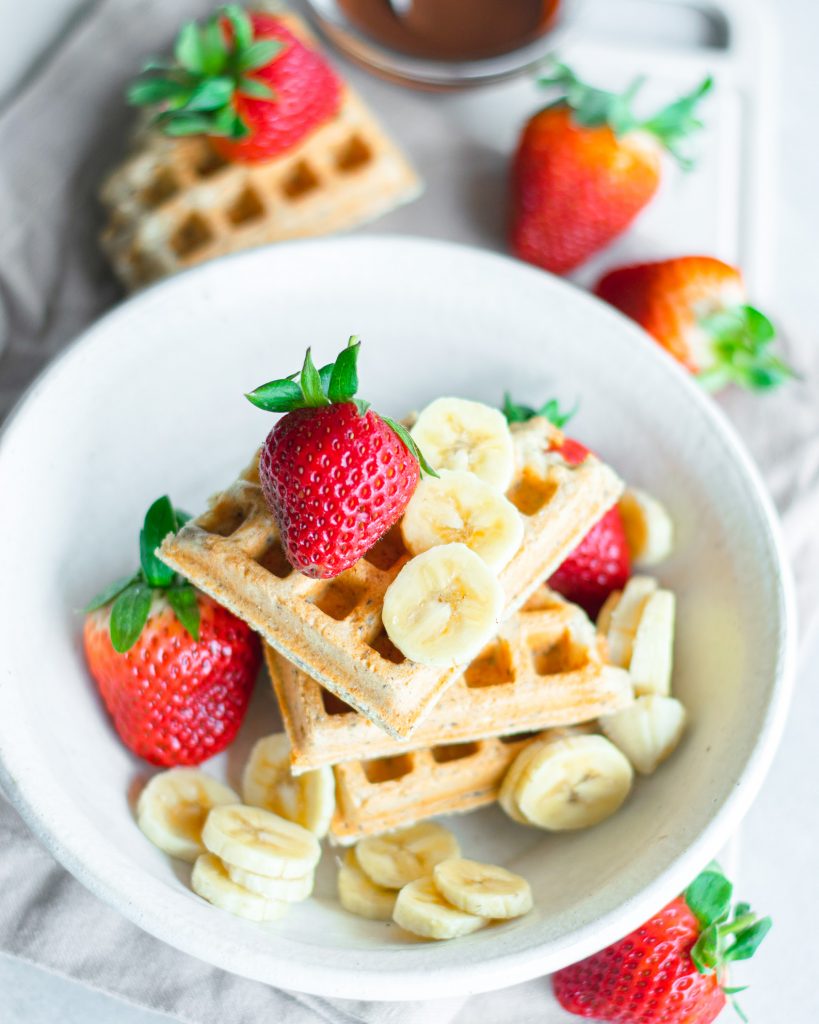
332,630
545,669
175,202
378,795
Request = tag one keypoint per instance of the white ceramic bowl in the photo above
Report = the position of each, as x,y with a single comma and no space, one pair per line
150,400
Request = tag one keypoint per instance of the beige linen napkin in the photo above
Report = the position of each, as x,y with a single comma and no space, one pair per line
57,137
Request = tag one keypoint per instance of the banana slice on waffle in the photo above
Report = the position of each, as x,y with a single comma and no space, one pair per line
455,433
458,507
443,607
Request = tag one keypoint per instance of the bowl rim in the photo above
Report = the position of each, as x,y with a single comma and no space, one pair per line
61,832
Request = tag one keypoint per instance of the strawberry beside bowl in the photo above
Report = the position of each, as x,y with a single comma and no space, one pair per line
149,401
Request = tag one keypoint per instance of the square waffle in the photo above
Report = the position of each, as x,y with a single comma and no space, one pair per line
382,794
332,629
546,668
175,202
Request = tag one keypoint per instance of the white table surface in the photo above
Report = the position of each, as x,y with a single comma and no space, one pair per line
779,850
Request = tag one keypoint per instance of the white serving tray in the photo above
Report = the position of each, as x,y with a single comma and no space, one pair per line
462,141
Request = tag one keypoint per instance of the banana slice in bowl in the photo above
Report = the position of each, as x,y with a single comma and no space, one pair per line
211,881
422,910
308,800
569,782
483,889
173,807
648,731
397,858
259,841
649,528
288,890
360,895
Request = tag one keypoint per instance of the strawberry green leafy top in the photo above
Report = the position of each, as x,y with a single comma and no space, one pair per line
213,62
132,595
728,932
593,108
741,339
550,410
333,384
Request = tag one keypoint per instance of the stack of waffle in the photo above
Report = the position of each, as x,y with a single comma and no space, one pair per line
408,741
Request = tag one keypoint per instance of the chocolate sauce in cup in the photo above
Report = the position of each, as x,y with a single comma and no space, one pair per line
442,43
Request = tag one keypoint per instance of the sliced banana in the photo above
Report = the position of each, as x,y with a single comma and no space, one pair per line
573,782
211,881
606,612
260,841
172,809
483,889
459,507
454,433
288,890
652,651
309,799
647,731
648,526
507,797
625,618
422,910
396,858
359,894
443,607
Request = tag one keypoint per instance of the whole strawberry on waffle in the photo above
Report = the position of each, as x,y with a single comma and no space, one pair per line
697,308
174,668
586,165
254,138
335,475
672,969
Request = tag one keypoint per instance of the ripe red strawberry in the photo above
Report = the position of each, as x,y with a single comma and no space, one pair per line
585,166
335,475
245,80
601,562
670,970
696,308
174,668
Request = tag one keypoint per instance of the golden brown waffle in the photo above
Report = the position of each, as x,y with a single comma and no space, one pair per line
175,202
382,794
332,629
545,668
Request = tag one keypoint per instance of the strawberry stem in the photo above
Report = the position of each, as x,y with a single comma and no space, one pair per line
741,337
214,63
334,384
550,410
593,108
722,938
132,596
